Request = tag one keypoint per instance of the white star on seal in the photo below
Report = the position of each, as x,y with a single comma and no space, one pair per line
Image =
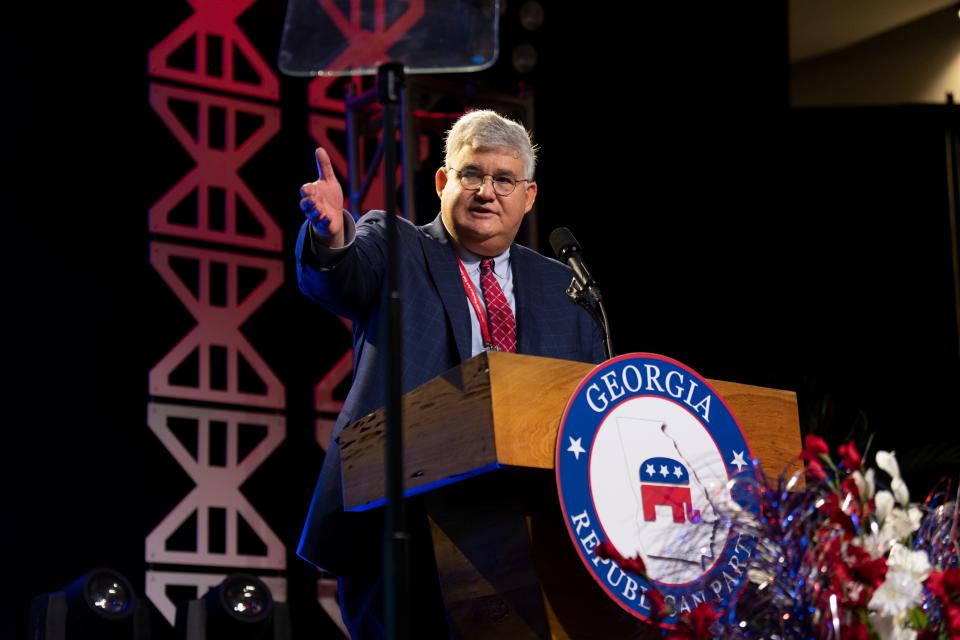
650,470
575,447
739,461
663,470
677,472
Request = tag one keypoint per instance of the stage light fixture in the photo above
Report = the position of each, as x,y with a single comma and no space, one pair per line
247,600
108,594
531,15
99,604
524,58
239,608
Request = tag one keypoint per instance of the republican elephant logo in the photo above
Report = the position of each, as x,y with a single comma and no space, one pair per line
666,482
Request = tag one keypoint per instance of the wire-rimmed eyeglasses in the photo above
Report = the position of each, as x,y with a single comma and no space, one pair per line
503,185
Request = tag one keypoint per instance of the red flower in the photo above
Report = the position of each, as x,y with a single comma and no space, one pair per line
946,586
658,605
851,497
813,448
831,508
815,471
854,630
695,625
866,569
849,456
849,485
607,551
850,572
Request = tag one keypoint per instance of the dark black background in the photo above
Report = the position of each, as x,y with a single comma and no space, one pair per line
800,249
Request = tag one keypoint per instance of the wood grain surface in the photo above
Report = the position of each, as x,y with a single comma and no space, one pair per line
500,409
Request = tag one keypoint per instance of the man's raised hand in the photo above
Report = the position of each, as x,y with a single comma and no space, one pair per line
322,203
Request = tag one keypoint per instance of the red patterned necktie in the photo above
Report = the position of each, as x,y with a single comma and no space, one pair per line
503,328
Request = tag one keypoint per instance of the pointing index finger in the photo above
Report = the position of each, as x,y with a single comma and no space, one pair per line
324,167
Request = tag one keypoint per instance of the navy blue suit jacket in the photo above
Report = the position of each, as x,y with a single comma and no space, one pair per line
436,337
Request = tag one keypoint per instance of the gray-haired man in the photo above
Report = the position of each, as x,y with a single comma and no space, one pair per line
466,287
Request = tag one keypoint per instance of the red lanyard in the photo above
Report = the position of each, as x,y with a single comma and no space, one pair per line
478,307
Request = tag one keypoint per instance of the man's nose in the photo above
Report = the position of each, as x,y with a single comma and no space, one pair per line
484,191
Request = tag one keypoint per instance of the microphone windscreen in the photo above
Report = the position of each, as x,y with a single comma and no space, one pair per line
562,242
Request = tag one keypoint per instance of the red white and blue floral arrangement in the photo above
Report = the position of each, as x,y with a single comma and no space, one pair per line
842,554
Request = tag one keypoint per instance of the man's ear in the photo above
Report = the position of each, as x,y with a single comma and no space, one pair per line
531,195
441,180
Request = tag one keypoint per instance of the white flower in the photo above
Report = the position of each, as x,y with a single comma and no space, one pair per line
873,545
891,628
865,483
759,576
887,460
884,504
898,594
722,503
900,491
899,524
916,564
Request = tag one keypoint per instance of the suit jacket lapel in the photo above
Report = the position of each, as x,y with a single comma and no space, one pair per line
528,296
442,263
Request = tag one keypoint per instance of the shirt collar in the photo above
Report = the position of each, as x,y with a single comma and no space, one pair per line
472,261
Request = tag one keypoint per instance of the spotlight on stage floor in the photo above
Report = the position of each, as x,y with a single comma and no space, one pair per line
99,604
239,608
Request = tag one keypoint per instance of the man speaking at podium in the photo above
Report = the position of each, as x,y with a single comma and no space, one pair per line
465,287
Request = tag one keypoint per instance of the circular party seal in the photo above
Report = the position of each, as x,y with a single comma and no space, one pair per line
645,454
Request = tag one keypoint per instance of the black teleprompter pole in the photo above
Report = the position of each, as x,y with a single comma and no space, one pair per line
953,200
396,544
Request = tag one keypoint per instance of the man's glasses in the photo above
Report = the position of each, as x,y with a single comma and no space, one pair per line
472,179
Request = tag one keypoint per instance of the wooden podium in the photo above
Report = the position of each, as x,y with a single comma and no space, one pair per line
507,566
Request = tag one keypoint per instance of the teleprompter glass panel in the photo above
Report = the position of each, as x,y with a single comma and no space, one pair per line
348,37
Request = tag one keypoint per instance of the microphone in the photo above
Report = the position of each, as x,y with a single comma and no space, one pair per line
567,249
